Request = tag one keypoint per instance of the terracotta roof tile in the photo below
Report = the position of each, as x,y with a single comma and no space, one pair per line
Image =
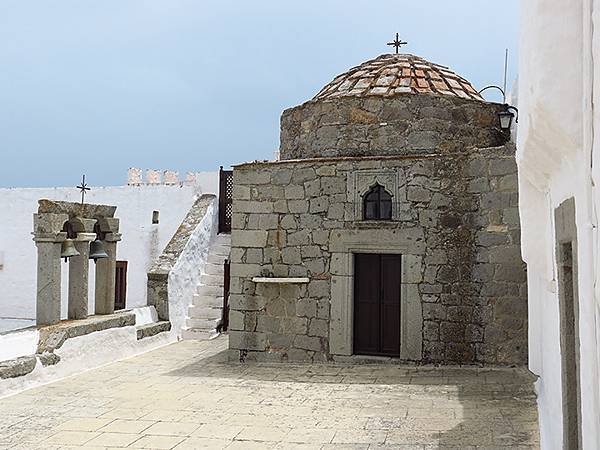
398,74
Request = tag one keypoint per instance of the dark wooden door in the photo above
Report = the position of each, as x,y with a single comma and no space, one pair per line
225,199
377,304
121,285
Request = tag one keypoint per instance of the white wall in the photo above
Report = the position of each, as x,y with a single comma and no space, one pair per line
142,241
555,154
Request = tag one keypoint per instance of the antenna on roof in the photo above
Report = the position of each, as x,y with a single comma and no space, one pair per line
505,72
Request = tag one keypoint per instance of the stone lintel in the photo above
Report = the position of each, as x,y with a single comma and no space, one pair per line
85,237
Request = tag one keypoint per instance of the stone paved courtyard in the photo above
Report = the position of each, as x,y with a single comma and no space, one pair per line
186,396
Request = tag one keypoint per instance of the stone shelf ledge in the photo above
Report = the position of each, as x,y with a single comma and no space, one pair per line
281,280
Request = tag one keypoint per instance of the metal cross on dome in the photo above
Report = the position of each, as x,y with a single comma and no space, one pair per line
83,188
397,43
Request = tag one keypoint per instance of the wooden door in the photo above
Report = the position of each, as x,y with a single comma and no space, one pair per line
377,304
121,285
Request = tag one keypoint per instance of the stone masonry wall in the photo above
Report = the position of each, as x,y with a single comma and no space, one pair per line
399,125
472,281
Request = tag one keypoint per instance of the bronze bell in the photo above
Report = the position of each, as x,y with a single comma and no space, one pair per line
97,250
68,249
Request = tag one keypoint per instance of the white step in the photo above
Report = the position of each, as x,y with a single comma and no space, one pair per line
223,239
217,260
214,269
209,291
202,324
199,335
222,250
204,312
211,280
214,301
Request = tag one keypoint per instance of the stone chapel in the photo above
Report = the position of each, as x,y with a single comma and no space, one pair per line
389,226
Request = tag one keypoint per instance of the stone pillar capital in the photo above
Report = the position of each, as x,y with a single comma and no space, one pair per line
41,238
112,237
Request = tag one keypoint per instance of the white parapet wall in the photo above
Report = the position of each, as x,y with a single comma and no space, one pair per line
143,240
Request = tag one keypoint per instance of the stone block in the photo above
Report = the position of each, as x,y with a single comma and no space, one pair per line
452,332
246,238
298,355
318,327
281,176
434,311
268,324
236,320
323,309
298,238
515,273
307,343
252,206
288,222
254,256
302,174
318,288
244,340
431,331
279,341
291,255
306,307
502,166
319,205
294,192
251,176
18,367
243,302
298,206
418,194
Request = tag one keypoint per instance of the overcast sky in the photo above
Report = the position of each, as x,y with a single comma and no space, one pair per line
96,87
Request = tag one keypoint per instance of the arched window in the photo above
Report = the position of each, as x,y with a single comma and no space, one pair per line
377,204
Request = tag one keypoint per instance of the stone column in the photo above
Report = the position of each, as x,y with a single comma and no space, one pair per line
106,276
48,282
78,277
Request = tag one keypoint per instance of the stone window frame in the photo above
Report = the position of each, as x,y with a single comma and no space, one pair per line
341,325
360,182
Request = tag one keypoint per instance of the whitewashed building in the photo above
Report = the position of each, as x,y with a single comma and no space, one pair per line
151,209
559,169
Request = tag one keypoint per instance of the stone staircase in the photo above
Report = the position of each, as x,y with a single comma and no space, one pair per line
207,303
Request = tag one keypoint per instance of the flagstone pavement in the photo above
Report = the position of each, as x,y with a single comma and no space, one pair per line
186,396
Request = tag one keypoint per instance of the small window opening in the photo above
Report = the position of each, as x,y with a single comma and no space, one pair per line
377,204
155,217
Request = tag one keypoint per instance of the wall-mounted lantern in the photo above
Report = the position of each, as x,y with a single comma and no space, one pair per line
507,116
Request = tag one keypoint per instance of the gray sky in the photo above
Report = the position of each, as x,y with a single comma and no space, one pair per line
97,87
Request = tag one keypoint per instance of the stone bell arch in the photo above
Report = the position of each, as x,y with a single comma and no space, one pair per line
82,224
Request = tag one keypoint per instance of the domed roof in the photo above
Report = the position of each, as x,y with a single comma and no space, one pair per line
394,74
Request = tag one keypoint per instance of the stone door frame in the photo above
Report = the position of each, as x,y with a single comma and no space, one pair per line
343,247
568,298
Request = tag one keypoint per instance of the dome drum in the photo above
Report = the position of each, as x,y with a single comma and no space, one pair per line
384,126
391,105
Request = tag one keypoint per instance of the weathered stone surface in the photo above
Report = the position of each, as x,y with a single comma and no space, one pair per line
344,126
54,336
17,367
457,227
48,359
152,329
